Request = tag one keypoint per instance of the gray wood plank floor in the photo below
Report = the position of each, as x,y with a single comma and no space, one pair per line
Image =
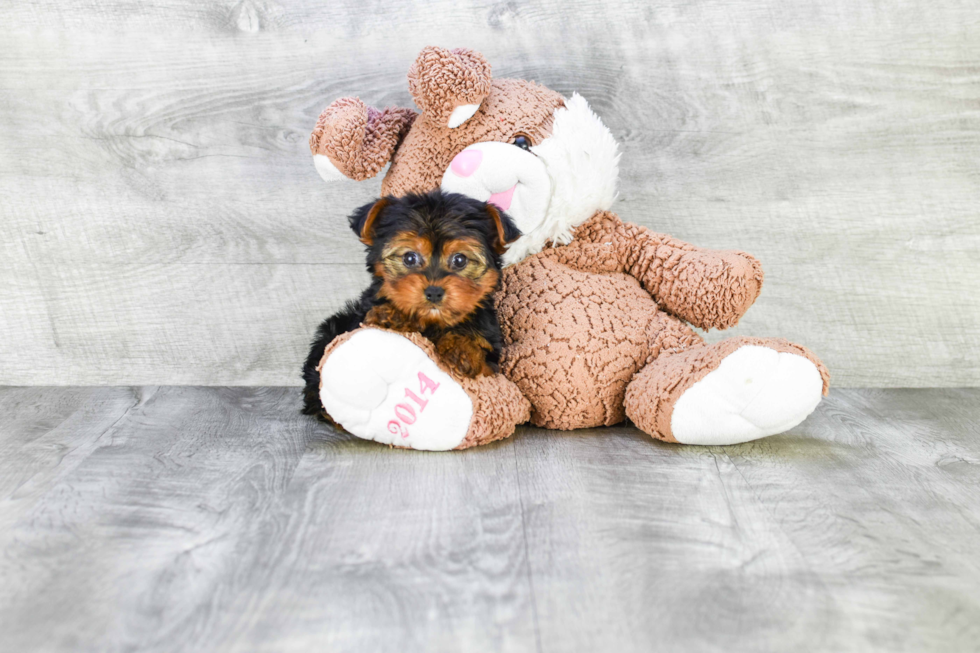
219,519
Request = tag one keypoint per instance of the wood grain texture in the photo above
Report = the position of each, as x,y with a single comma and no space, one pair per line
161,222
220,519
845,534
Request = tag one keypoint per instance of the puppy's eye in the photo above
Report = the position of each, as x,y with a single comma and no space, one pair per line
411,259
523,142
458,261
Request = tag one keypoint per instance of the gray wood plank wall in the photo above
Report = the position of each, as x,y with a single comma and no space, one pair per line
161,220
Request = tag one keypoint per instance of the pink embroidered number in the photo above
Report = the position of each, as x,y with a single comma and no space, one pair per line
396,428
417,399
405,412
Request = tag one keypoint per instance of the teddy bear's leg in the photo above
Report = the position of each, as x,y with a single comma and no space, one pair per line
728,392
387,387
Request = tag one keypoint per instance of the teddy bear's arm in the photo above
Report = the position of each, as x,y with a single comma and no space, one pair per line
711,289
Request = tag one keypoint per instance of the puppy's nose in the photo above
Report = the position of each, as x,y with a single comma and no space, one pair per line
434,294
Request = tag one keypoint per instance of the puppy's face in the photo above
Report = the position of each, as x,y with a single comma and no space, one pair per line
437,254
435,280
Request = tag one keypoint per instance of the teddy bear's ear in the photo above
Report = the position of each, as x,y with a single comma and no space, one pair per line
449,85
354,140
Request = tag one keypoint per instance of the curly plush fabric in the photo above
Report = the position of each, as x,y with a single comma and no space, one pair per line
512,107
580,320
710,289
441,80
359,139
575,339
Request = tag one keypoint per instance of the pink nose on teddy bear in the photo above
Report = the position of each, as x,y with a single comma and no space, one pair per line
466,162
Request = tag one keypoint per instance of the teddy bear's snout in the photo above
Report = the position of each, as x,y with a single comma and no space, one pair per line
509,177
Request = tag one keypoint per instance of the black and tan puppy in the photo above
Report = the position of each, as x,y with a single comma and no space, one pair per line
435,263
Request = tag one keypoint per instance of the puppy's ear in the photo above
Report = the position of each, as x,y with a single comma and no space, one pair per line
362,220
505,231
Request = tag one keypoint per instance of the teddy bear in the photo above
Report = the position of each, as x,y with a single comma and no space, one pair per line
597,314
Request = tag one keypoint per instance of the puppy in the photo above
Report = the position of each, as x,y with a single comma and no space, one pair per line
435,264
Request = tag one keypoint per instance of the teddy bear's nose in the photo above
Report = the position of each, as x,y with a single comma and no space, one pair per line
466,162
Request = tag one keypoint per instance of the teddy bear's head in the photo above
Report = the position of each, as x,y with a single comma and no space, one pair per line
546,160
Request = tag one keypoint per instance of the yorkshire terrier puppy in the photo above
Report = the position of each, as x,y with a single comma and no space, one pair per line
435,263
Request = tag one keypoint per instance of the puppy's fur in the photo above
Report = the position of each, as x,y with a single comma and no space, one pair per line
435,263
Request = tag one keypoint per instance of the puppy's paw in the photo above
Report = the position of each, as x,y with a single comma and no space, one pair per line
387,316
465,355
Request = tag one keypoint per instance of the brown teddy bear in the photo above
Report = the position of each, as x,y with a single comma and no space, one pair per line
595,312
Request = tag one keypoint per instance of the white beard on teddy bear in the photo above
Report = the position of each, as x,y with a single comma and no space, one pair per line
595,312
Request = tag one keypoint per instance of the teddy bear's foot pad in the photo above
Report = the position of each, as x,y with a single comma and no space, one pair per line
754,392
382,387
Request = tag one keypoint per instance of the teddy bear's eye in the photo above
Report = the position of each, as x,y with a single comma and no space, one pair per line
523,142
